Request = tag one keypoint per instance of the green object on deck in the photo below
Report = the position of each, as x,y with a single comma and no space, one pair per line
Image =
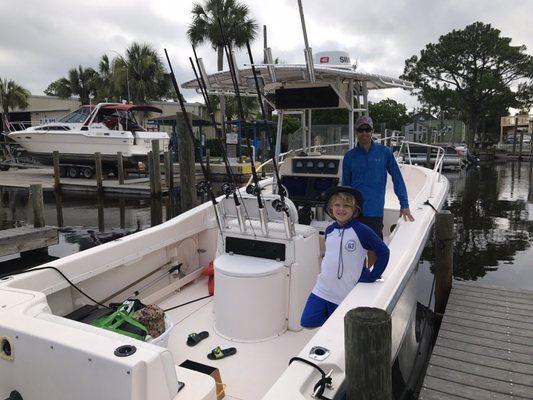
122,322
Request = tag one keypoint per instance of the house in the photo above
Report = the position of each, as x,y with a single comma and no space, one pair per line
441,131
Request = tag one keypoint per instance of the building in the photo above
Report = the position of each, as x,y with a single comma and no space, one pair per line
441,131
523,124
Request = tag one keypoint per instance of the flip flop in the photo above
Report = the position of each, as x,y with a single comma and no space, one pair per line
194,338
217,353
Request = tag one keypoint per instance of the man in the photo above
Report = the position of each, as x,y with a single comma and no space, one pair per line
365,168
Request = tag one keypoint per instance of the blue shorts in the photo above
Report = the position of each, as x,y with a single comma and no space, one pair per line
316,311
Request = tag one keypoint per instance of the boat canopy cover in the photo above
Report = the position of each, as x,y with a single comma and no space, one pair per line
131,107
294,75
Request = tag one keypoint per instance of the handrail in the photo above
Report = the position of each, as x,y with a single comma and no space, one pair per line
437,167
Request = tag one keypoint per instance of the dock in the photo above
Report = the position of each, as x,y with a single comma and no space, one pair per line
27,238
484,348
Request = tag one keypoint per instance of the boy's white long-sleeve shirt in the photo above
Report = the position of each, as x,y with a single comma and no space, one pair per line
343,263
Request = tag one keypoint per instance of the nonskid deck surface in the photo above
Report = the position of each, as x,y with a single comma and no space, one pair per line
248,374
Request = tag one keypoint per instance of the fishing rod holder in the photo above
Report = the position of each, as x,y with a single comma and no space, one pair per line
281,206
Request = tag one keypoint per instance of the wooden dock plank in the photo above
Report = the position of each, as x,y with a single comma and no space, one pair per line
498,303
452,327
464,391
484,349
483,359
476,287
26,238
494,296
489,312
495,386
487,342
482,306
483,370
489,327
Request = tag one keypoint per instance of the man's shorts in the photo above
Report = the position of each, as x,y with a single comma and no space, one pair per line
374,223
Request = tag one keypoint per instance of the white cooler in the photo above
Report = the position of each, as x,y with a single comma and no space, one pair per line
251,298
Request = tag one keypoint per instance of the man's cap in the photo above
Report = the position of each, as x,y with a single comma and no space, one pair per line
364,120
344,189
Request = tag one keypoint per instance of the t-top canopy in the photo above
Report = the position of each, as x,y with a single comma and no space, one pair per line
131,107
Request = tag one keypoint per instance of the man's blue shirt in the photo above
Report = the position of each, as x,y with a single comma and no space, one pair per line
367,172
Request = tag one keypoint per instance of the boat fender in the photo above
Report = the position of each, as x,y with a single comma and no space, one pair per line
210,272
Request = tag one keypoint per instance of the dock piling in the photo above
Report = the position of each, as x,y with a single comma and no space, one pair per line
156,167
443,259
367,344
99,179
120,168
57,171
38,205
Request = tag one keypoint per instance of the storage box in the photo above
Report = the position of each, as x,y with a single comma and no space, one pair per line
208,370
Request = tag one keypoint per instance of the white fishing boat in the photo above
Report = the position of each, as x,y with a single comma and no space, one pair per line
265,259
107,128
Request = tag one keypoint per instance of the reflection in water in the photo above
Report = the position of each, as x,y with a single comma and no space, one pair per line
493,212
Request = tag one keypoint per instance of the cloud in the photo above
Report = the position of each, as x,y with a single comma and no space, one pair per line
46,39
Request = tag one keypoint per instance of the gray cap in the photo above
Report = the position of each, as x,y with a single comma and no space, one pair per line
364,120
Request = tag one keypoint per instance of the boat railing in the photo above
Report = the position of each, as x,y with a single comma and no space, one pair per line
334,149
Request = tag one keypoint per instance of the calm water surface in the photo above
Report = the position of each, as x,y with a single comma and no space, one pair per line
492,206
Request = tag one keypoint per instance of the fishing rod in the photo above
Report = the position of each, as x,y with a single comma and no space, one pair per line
204,186
279,205
227,188
254,189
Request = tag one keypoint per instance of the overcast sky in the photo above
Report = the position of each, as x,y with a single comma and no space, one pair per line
41,40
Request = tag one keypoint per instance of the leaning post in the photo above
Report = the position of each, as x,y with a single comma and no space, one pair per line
57,171
367,347
38,205
99,179
443,259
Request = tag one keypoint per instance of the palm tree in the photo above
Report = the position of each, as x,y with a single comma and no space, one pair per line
140,74
80,81
11,95
239,27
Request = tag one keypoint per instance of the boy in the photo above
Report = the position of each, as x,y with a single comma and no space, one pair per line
347,242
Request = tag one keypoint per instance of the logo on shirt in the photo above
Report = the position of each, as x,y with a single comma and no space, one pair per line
350,245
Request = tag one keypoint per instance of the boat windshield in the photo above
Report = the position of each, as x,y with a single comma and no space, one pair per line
77,116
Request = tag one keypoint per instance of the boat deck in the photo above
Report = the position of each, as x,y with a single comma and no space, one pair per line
485,346
256,366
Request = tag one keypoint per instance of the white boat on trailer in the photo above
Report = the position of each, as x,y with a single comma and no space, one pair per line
107,128
264,269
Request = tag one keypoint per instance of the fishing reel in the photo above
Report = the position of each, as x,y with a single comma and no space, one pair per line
228,189
280,206
203,186
254,190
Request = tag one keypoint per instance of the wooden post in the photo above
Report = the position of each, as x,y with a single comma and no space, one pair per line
59,208
367,346
99,179
120,168
57,171
38,205
208,161
150,170
443,259
187,166
156,166
168,169
514,134
101,219
521,146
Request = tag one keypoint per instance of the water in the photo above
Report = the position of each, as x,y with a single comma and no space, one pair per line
492,206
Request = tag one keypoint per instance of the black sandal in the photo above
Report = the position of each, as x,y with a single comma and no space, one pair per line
217,353
194,338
